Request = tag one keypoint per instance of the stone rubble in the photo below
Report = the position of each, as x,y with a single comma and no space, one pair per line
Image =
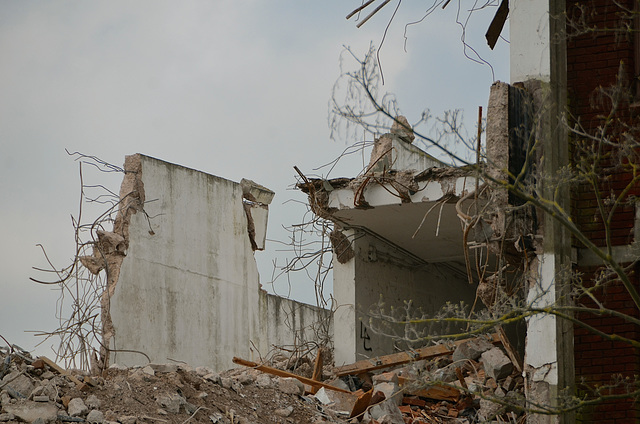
455,388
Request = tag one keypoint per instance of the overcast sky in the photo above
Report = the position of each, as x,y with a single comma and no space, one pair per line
235,89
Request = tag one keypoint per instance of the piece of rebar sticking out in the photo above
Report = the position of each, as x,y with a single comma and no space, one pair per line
402,129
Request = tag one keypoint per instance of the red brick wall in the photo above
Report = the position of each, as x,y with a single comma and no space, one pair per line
597,358
593,60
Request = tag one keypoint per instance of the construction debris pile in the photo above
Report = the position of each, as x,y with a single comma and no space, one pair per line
469,381
38,391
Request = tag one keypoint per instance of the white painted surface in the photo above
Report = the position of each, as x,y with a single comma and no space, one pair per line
541,351
190,292
260,216
529,40
407,157
388,278
344,317
379,195
381,273
284,322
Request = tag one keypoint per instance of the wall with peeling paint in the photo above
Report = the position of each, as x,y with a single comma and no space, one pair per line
188,288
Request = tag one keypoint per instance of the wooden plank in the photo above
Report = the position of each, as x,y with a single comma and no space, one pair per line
404,357
317,367
362,403
511,352
61,371
436,391
317,370
461,378
281,373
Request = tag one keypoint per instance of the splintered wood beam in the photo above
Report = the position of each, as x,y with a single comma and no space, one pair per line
317,370
281,373
61,371
511,352
495,28
317,367
400,358
435,391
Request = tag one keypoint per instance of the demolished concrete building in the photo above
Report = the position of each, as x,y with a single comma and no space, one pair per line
571,71
399,239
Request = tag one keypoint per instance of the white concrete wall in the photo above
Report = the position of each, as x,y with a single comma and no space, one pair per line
344,317
190,291
529,40
384,274
284,322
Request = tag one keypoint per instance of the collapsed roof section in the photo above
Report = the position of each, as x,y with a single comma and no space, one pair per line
405,197
397,243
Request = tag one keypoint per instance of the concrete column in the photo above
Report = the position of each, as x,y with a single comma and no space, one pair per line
344,318
538,58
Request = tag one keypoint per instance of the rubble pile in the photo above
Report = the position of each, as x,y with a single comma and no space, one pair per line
38,391
469,381
475,383
475,380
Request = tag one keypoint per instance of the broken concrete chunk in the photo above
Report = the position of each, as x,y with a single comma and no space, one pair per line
214,377
402,129
127,419
390,390
489,409
263,381
93,402
20,383
284,412
164,368
171,402
77,408
496,364
386,410
386,377
29,411
148,370
340,384
471,349
95,417
290,386
245,379
446,374
111,242
93,264
7,417
255,192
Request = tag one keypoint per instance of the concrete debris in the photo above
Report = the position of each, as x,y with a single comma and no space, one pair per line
171,394
419,391
164,368
496,364
95,417
403,130
471,349
291,386
77,408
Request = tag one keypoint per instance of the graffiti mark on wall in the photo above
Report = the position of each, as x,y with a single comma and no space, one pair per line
364,335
